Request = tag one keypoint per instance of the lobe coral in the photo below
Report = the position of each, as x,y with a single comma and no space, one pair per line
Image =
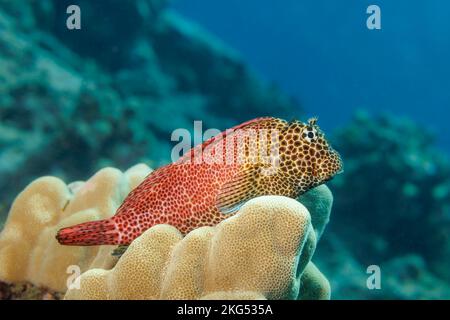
262,252
28,249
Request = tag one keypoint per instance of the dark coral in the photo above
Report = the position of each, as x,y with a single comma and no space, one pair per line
392,202
111,93
27,291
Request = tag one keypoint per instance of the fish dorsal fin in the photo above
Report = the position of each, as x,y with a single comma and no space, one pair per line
253,180
210,143
250,180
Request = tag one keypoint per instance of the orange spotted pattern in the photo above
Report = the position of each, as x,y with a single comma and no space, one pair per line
210,182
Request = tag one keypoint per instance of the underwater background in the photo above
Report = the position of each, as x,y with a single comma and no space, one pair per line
110,94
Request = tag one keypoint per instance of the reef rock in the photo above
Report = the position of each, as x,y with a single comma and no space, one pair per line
29,251
393,201
73,102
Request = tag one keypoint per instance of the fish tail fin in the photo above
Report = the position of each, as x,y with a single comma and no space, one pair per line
89,234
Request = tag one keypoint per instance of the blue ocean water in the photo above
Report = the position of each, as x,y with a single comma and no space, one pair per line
322,53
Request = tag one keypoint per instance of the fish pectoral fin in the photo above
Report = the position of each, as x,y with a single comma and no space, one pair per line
238,190
252,182
119,251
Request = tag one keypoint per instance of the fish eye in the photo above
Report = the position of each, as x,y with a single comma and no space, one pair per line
310,134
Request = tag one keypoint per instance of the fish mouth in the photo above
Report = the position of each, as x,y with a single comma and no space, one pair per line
337,166
340,163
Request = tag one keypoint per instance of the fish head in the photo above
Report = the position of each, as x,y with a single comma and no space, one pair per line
315,160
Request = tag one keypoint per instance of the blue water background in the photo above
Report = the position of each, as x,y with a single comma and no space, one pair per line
322,53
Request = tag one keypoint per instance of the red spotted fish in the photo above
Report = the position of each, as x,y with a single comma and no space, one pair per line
264,156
